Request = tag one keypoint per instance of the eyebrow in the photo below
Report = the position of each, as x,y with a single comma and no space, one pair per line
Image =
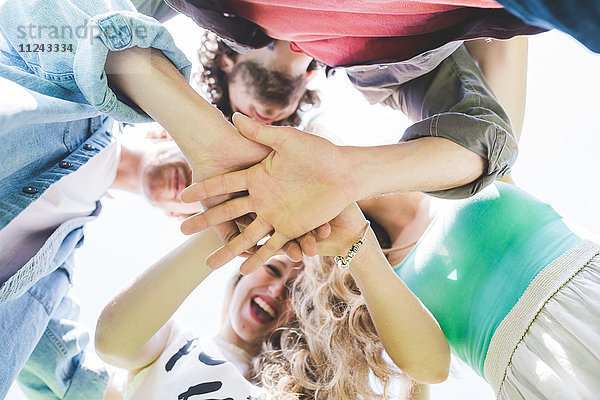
281,263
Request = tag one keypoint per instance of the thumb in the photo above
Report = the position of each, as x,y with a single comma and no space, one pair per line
270,136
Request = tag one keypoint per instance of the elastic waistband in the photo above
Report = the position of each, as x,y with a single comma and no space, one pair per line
515,325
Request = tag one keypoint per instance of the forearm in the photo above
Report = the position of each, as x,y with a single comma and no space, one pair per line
149,79
133,317
454,102
410,334
425,164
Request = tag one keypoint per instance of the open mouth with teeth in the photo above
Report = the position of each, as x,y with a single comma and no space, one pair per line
261,310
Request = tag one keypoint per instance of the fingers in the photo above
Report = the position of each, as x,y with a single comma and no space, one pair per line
227,231
308,243
262,255
226,211
241,243
267,135
218,185
323,231
293,250
245,220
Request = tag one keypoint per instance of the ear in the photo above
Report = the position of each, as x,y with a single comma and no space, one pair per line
226,63
310,75
160,134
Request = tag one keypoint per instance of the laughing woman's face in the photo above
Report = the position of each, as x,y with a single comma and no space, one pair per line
260,302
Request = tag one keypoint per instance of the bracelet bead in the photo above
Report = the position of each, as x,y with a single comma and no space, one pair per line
344,262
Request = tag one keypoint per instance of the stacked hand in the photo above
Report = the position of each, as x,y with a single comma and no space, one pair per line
302,184
221,150
228,151
346,229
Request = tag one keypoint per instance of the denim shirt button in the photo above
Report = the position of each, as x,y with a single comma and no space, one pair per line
89,147
65,164
30,190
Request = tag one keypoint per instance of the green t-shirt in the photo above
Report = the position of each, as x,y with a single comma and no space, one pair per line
477,258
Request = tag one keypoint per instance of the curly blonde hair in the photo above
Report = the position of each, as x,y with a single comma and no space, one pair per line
330,348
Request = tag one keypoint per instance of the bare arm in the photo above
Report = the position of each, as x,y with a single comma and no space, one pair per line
418,348
452,102
504,65
131,331
210,143
307,181
426,164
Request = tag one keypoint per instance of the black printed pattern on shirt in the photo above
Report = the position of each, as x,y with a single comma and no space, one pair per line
180,353
206,387
203,388
208,360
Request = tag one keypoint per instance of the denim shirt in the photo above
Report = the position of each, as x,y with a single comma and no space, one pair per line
56,108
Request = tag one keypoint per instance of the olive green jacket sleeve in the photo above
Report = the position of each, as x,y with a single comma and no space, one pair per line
452,101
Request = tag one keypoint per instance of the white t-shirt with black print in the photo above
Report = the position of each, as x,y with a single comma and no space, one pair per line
193,369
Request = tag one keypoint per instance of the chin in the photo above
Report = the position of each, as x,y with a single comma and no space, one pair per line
253,338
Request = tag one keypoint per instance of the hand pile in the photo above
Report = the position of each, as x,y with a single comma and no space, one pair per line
304,183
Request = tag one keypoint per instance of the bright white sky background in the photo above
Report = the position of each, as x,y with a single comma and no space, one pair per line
558,162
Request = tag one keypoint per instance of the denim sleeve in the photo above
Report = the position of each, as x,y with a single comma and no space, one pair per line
83,32
43,343
114,32
453,101
60,368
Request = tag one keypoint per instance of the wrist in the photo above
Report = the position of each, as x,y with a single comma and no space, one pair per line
244,152
366,179
343,260
351,182
224,150
369,252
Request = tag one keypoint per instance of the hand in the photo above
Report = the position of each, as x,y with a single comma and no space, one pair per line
231,152
304,183
209,142
211,145
346,229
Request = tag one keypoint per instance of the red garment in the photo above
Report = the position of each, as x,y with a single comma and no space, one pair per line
350,32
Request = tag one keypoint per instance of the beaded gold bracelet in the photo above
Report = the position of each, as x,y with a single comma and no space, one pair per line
344,262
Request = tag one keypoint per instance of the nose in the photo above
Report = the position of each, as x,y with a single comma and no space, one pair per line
266,121
278,289
266,117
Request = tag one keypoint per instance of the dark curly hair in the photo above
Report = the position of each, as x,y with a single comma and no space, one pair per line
212,81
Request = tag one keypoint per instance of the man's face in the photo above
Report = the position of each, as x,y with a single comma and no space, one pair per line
263,94
165,173
260,90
